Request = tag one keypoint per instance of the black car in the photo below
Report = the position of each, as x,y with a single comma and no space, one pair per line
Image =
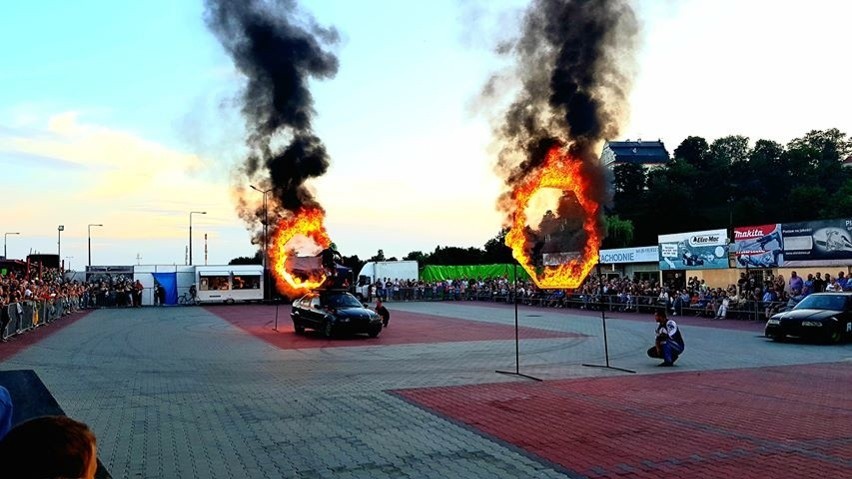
821,316
332,312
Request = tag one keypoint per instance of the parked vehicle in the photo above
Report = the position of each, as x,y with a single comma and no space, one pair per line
820,316
334,312
229,284
376,270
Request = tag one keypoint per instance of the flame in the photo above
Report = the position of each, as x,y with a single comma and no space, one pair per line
563,172
306,222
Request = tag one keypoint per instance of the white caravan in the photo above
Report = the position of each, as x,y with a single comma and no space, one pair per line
229,284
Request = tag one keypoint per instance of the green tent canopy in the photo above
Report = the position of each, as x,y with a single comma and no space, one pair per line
432,273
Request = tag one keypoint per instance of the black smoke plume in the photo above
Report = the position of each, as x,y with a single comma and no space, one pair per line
278,50
574,60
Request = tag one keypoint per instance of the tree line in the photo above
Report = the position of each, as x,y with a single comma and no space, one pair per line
729,183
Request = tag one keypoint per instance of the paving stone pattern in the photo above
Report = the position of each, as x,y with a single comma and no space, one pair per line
183,393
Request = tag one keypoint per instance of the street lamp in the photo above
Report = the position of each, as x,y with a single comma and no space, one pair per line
90,242
190,231
6,235
59,231
69,258
265,234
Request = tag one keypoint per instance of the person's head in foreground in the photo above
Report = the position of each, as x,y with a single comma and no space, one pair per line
660,316
50,447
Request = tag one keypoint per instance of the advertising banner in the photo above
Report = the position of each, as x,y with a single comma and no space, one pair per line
696,250
818,243
758,246
646,254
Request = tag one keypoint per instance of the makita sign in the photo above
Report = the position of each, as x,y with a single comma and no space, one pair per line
747,234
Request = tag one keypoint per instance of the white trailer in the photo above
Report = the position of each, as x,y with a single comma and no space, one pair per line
229,284
380,270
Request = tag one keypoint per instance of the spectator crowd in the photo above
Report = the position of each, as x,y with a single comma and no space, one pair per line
51,295
752,297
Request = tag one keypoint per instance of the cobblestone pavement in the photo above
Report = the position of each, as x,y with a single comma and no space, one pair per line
183,393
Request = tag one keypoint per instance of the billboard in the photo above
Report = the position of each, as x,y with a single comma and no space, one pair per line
646,254
818,243
695,250
758,246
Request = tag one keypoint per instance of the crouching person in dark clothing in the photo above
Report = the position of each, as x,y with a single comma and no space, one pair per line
383,312
669,344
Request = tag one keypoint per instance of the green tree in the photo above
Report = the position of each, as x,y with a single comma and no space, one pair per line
380,256
630,180
415,256
256,259
453,255
619,232
839,204
496,250
824,146
692,150
352,262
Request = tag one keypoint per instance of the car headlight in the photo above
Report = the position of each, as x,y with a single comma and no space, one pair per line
774,321
812,324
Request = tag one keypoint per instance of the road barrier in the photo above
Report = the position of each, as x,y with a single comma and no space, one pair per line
20,317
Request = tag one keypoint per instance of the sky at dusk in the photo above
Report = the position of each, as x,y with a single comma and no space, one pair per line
123,114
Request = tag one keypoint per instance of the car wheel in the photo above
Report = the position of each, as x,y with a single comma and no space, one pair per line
835,336
780,337
328,329
298,328
375,332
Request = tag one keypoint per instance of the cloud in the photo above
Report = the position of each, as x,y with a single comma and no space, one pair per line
22,159
138,188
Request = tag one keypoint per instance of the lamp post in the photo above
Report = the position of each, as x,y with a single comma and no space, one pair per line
59,231
6,235
90,241
265,235
69,258
190,231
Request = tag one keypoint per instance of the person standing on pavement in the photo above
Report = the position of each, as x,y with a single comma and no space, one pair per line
383,312
669,343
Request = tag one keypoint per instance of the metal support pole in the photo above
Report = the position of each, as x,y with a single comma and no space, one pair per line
517,371
190,232
276,317
603,322
90,242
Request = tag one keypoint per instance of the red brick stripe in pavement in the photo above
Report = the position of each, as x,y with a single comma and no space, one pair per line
17,344
778,422
404,328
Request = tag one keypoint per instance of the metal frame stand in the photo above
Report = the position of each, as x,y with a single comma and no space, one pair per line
278,303
517,371
606,344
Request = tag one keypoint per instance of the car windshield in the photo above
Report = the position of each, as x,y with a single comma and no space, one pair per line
832,302
341,301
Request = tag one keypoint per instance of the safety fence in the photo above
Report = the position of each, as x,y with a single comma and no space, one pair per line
709,308
21,317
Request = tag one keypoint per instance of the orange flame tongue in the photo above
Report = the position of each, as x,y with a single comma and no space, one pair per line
563,172
306,222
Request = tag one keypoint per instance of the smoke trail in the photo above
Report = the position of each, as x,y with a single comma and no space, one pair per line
278,50
574,60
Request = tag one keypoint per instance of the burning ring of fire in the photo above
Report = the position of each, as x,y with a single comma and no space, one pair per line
306,222
562,172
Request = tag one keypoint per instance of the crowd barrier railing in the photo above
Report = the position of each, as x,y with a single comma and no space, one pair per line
748,309
24,316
